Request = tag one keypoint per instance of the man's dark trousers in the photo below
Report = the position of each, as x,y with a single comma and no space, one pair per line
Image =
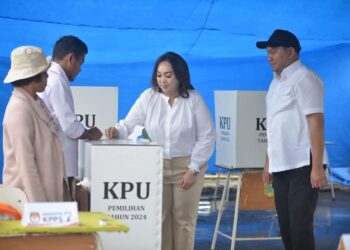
295,201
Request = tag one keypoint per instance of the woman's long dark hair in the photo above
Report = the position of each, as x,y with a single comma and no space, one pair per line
181,72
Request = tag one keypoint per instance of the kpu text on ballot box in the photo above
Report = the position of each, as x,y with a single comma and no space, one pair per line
241,143
126,182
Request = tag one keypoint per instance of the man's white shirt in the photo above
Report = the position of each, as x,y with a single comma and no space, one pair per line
59,100
293,95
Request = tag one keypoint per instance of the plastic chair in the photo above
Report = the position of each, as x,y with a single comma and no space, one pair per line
15,197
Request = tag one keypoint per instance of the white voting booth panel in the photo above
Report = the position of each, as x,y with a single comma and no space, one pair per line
94,107
126,183
241,143
241,128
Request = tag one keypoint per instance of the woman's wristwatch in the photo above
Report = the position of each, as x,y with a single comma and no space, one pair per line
194,172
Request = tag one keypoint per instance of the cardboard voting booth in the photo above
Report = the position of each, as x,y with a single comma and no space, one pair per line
241,143
126,182
241,128
94,107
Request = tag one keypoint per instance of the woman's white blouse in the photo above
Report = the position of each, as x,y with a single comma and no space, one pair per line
183,129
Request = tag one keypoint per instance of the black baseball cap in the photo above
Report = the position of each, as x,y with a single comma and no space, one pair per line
280,38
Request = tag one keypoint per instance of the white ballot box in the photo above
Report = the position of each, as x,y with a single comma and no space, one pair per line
126,182
240,118
94,107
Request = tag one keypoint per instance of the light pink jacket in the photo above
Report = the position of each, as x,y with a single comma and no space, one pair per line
33,159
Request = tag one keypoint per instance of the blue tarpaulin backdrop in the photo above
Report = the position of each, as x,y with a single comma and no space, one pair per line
216,37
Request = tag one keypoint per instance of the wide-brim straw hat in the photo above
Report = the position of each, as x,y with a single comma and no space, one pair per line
26,61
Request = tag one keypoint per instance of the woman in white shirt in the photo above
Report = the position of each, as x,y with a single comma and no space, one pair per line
175,116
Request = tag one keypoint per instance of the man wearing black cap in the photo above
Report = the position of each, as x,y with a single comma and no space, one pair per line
295,133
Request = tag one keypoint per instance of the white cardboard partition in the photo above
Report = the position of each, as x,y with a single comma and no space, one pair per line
240,118
126,182
94,107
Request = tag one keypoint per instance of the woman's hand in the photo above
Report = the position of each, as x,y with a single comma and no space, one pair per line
111,132
187,180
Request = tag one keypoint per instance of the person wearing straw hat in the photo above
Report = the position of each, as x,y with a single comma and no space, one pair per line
33,158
